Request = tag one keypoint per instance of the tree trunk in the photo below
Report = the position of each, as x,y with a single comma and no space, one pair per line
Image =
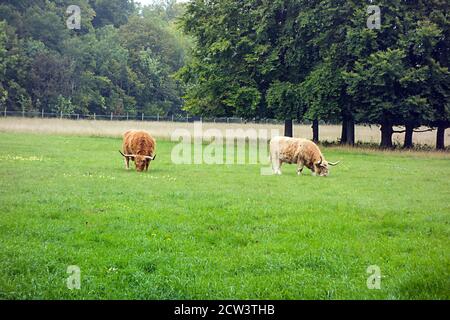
348,132
440,138
288,128
344,131
408,144
386,136
315,128
351,132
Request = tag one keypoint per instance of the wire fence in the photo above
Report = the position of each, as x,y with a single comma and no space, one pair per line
135,117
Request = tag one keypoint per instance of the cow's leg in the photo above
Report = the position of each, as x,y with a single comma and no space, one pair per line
276,164
273,161
278,167
300,167
146,165
127,163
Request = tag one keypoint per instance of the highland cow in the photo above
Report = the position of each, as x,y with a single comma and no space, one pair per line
301,152
139,147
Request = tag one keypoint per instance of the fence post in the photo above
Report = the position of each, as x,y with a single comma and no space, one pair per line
78,116
61,114
23,113
228,120
187,117
95,116
111,116
127,116
5,112
142,116
172,118
157,117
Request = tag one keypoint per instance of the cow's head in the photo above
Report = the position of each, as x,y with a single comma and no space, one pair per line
141,162
321,167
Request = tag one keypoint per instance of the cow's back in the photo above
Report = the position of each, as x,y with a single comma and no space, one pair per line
138,142
291,150
279,144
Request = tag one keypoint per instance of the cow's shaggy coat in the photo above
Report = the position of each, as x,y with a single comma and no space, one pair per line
302,152
140,147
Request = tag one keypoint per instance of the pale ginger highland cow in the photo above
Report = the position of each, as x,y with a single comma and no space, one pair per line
139,147
302,152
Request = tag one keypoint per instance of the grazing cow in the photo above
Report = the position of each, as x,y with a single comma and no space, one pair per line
140,147
298,151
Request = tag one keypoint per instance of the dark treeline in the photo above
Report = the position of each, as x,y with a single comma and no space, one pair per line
319,60
121,60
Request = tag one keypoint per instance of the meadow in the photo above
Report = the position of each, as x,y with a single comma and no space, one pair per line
218,231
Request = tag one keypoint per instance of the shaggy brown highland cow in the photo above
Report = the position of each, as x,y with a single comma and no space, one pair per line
140,147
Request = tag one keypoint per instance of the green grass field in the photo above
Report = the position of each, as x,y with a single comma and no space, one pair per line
218,232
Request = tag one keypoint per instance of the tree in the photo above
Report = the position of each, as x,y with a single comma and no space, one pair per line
321,91
50,77
422,82
438,95
63,105
284,99
222,71
155,53
439,98
376,83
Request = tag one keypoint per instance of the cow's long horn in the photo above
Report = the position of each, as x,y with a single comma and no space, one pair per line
127,155
333,163
150,157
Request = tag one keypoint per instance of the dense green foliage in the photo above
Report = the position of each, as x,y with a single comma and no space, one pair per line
121,60
319,60
174,234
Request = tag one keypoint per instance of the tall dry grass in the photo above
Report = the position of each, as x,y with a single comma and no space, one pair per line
164,130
